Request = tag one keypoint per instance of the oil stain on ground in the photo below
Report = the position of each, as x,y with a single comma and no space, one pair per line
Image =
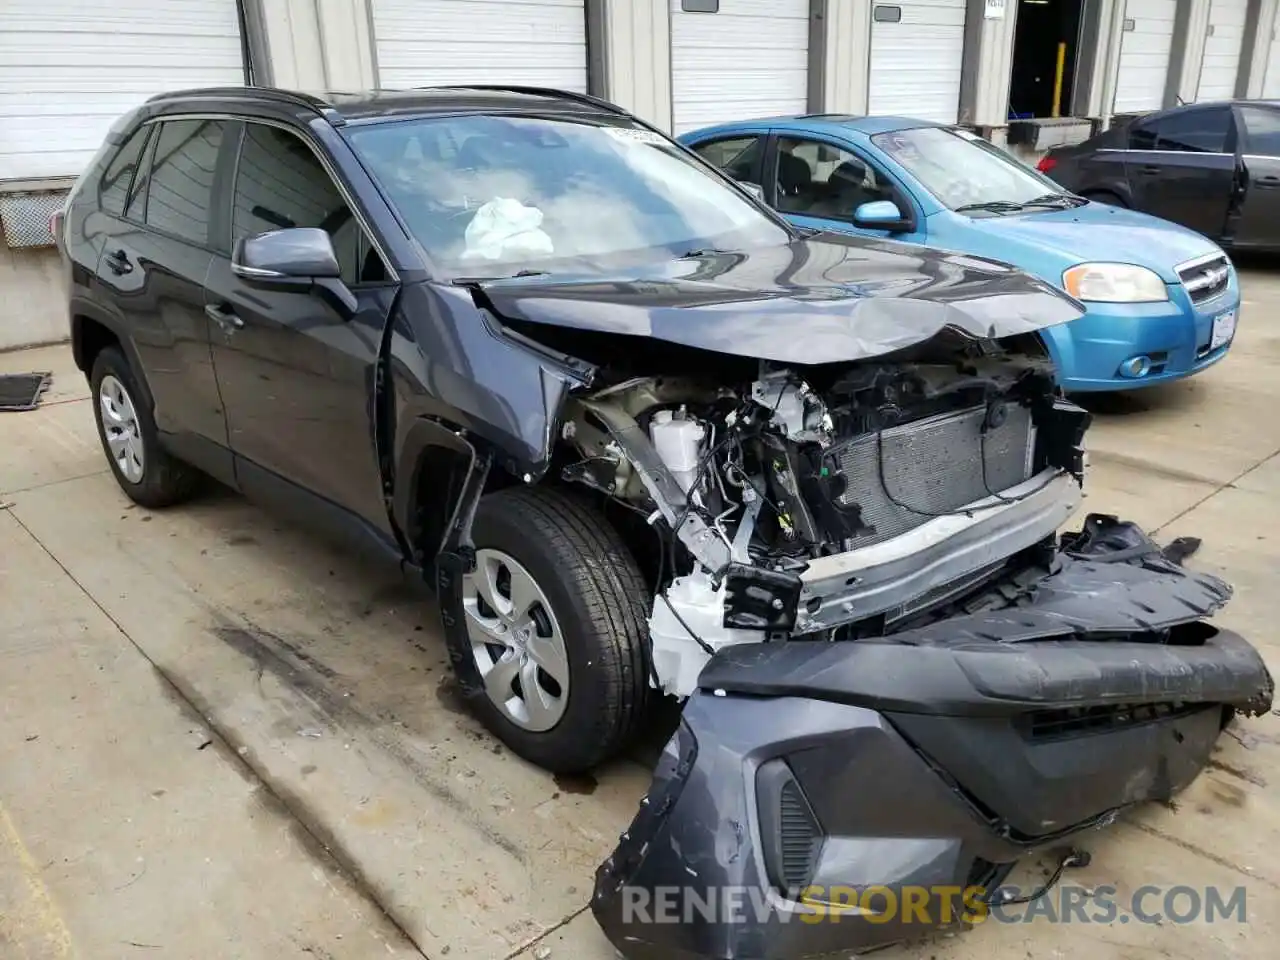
581,784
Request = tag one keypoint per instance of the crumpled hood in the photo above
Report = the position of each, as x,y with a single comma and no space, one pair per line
832,299
1099,232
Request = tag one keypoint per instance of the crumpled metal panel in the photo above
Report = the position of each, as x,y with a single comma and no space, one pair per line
1090,598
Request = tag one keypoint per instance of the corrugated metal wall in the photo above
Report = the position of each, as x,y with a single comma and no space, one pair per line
69,68
534,42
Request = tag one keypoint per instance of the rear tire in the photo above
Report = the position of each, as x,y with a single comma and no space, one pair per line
147,474
549,634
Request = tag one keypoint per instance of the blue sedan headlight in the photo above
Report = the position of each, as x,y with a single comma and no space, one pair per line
1114,283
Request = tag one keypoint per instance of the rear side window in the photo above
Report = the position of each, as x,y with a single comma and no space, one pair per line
739,157
181,179
135,207
114,185
1196,131
1262,131
280,183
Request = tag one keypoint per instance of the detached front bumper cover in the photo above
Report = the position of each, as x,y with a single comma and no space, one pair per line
805,776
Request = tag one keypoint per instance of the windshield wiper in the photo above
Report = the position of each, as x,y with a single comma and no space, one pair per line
463,281
1063,200
991,206
701,252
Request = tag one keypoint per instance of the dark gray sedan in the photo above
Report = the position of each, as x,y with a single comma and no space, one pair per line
1213,167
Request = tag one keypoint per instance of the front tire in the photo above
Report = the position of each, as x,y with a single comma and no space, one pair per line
548,634
145,472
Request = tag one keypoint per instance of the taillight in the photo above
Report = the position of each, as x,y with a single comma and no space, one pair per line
1046,163
55,227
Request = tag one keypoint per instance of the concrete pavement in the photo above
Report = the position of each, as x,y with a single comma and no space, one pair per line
221,737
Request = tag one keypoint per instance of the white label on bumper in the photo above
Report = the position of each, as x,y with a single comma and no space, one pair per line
1224,328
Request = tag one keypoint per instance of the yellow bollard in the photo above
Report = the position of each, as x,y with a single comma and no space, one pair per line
1057,79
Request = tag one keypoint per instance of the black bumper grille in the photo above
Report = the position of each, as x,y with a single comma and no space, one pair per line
1205,280
801,837
1076,721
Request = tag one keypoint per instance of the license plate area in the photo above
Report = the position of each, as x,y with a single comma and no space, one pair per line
1224,330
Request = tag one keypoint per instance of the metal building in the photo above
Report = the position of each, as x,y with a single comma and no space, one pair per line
1027,73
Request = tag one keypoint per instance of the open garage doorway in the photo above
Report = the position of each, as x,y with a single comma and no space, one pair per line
1046,47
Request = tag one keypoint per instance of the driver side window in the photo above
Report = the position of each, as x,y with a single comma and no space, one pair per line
820,180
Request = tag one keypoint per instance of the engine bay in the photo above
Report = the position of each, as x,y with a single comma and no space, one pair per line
830,502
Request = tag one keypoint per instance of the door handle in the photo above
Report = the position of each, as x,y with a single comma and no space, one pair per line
1151,169
1267,183
224,318
118,262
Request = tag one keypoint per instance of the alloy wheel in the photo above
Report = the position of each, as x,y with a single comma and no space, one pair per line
120,427
516,640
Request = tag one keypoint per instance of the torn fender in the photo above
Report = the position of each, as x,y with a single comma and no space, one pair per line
933,758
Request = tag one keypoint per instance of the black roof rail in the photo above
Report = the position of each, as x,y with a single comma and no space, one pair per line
306,100
535,91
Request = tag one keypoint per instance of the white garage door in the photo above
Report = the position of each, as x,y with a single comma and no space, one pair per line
1144,55
1222,47
1271,78
917,49
540,43
750,58
69,68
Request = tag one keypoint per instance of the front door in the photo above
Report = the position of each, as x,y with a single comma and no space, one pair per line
820,185
1182,166
296,375
1257,223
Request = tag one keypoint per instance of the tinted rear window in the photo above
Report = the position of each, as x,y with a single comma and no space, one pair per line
1196,131
186,156
119,173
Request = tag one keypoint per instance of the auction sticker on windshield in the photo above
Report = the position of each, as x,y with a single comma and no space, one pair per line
1224,328
633,135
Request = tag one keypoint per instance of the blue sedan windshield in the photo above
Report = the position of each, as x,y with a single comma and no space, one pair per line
498,195
964,172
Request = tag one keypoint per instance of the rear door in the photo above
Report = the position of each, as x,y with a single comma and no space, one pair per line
155,257
738,155
1182,166
1258,221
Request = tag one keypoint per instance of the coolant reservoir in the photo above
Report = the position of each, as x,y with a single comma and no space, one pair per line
679,444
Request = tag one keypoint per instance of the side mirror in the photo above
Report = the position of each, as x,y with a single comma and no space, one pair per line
299,253
754,189
880,215
301,259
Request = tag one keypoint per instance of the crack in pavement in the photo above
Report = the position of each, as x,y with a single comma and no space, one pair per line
1229,485
1201,852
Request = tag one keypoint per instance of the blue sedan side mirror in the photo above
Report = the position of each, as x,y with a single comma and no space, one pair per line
879,215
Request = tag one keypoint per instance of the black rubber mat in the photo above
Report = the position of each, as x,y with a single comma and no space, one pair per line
21,391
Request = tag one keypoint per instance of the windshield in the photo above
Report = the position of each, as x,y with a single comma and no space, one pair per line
496,196
966,173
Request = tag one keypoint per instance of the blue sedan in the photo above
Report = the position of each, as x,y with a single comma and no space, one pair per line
1161,301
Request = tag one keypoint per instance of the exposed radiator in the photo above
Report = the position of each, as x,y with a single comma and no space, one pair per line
934,466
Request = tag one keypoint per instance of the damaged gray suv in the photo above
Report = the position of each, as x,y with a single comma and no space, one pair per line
646,439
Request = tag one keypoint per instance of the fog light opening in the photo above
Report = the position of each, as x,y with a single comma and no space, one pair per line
1136,367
